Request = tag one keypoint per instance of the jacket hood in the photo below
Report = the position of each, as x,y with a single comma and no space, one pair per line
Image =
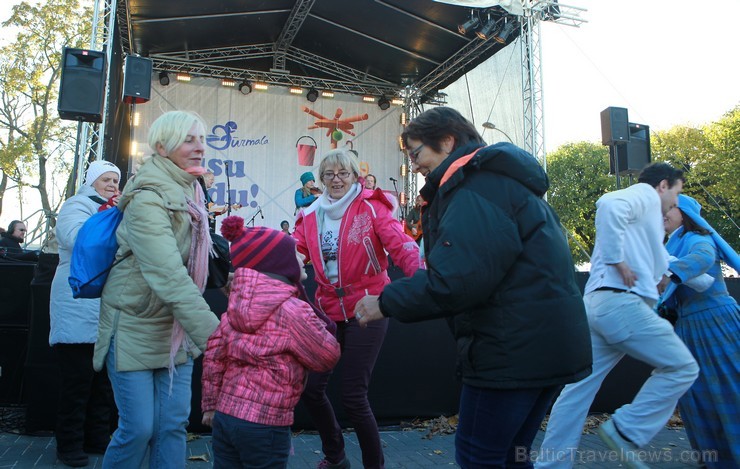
254,298
169,180
502,158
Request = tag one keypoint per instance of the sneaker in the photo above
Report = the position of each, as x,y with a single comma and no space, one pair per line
325,464
626,449
73,458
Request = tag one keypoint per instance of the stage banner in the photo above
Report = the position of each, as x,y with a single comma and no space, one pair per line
256,142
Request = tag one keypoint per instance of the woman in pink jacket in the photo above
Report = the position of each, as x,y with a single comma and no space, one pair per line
346,233
256,361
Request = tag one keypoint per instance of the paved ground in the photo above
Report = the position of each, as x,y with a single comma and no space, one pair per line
403,449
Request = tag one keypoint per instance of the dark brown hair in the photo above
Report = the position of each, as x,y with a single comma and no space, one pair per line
432,126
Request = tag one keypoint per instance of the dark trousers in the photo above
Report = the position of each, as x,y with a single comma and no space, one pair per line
360,348
497,426
85,401
238,443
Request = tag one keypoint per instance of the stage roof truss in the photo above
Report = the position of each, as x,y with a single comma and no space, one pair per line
376,47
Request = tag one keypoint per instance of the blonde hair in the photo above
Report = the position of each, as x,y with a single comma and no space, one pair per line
171,129
342,158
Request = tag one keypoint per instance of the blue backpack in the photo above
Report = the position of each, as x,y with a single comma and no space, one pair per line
94,253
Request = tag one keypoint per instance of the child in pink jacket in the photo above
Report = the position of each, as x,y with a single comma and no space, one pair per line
256,362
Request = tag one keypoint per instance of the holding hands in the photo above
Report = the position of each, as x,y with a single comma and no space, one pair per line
367,310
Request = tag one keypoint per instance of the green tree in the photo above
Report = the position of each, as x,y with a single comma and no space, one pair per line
579,175
30,131
710,157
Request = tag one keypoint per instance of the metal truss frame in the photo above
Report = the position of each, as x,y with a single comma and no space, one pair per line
531,54
91,136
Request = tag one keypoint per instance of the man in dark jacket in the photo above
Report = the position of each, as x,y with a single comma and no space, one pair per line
10,244
499,268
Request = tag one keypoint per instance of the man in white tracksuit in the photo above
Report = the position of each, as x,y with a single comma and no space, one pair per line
628,264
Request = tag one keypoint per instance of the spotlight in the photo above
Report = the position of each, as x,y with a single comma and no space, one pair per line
487,29
505,33
228,82
471,24
245,87
397,101
383,103
296,90
260,86
327,94
183,77
164,78
312,95
368,99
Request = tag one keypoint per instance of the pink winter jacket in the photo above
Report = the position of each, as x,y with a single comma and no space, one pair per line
255,363
367,231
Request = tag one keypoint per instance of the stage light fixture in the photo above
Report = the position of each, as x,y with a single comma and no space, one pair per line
228,82
245,87
327,94
164,78
312,95
397,102
296,90
404,171
487,30
368,99
260,86
469,25
503,36
183,77
383,103
402,198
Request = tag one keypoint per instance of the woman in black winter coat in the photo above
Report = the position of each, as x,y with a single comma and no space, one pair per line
500,270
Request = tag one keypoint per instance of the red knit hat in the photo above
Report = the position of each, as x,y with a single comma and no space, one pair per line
268,251
262,249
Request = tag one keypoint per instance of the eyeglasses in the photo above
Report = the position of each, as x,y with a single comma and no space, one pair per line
343,175
414,154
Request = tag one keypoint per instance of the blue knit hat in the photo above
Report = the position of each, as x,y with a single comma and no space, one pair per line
307,176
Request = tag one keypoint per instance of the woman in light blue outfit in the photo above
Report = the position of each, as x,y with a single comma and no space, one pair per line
709,324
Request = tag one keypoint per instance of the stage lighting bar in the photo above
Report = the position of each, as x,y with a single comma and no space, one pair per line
295,90
137,119
327,94
368,99
183,77
397,101
260,86
228,82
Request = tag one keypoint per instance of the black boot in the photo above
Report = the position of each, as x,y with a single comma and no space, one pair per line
73,458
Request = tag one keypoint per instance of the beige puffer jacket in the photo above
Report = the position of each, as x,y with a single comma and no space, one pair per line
149,289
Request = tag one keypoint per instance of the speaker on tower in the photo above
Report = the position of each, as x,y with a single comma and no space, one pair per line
137,79
614,126
82,85
631,157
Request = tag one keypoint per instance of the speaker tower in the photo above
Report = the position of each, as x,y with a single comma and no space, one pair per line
137,79
614,126
82,85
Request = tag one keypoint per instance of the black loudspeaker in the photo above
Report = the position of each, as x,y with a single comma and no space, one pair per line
12,356
634,155
82,86
15,294
137,79
614,126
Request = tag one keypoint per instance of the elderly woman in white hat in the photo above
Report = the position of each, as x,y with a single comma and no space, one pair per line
85,397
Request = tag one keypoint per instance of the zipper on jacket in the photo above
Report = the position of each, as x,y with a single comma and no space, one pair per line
340,294
340,290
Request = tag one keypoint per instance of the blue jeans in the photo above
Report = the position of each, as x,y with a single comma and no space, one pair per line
149,417
238,443
497,426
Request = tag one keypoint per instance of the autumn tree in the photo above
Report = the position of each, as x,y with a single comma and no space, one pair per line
35,146
579,175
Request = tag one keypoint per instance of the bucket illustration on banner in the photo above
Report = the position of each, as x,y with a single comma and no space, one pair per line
306,151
